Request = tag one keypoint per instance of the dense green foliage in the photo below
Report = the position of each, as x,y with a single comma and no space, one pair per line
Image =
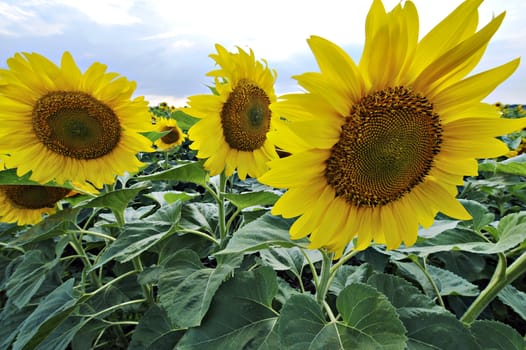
173,259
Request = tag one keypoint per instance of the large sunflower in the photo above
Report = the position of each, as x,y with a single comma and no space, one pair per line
26,204
174,136
65,125
232,132
380,147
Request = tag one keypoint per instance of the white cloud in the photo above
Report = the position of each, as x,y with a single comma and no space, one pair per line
104,12
19,20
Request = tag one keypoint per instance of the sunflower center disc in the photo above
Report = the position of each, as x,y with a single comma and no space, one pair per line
171,137
76,125
386,147
245,117
34,197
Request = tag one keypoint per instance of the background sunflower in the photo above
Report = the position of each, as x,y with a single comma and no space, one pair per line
233,126
64,125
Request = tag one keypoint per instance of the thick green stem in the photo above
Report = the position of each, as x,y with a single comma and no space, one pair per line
79,249
325,274
500,279
415,260
221,211
200,234
146,288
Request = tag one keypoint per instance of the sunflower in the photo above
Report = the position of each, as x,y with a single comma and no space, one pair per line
173,137
232,131
26,204
65,125
379,148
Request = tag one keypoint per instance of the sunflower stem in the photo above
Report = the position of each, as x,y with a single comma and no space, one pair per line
500,279
221,210
325,274
146,288
429,279
79,249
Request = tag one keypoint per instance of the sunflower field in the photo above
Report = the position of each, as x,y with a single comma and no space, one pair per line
382,207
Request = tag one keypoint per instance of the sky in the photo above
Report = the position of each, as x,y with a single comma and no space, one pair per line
164,45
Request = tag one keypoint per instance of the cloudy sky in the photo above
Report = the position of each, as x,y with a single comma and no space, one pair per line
164,45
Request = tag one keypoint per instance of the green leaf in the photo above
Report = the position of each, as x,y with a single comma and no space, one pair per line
199,217
240,316
262,233
186,288
184,120
187,172
9,177
511,230
402,294
515,299
513,166
428,325
53,226
117,201
480,213
369,316
496,335
28,276
62,336
11,319
509,224
431,329
446,281
49,314
369,321
250,199
168,197
348,274
138,237
288,259
153,326
154,135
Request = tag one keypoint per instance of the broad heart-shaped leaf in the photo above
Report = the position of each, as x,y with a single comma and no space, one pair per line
428,325
513,166
289,259
11,319
264,232
52,226
140,236
186,287
496,335
9,177
446,281
369,321
480,214
49,314
27,277
348,274
153,326
515,299
240,316
62,336
511,230
250,199
187,172
116,200
199,216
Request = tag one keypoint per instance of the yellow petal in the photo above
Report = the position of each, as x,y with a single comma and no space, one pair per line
454,59
457,26
477,87
337,65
